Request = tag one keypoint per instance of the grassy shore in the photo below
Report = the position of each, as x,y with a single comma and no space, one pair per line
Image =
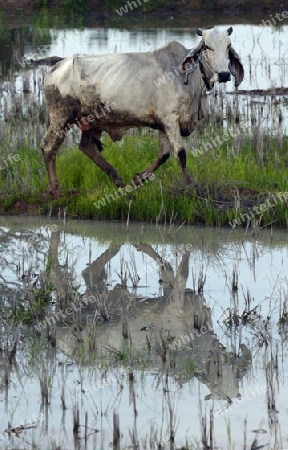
235,178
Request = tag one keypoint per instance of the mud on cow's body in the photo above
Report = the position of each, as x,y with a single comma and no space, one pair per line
115,92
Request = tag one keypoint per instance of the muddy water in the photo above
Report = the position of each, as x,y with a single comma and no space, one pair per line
158,304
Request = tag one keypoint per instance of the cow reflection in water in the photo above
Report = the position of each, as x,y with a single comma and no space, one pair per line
180,314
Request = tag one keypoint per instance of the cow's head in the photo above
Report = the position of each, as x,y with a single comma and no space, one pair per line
216,58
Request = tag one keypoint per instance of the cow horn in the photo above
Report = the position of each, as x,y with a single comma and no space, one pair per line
229,31
199,31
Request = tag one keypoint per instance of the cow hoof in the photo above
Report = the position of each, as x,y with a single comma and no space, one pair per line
187,179
119,183
57,193
138,179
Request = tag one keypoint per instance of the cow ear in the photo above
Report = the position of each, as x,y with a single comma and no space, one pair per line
199,31
236,67
230,31
191,61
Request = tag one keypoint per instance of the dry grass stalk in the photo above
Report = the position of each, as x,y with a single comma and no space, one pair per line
116,430
131,372
86,428
12,353
132,397
170,409
162,346
234,280
63,403
7,369
211,429
43,379
76,423
51,333
245,434
201,281
125,327
102,305
132,270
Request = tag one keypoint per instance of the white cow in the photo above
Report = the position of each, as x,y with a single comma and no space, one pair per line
161,89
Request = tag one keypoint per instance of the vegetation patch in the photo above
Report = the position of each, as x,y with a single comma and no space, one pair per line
227,183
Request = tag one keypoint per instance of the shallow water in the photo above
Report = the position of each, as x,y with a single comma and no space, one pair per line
147,281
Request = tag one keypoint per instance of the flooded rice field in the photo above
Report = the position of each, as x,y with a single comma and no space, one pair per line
142,337
138,336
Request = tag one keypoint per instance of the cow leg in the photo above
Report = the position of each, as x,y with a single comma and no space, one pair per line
176,142
91,146
50,145
163,155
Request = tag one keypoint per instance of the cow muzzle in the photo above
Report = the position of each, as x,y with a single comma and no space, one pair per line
223,77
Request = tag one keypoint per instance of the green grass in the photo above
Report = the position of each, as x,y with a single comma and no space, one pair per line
220,176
